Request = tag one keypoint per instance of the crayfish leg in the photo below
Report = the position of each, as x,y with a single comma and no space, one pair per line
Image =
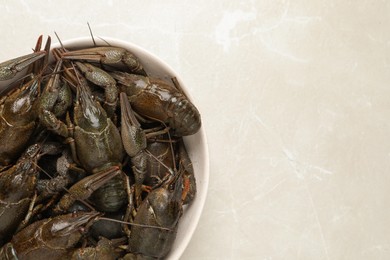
84,188
29,214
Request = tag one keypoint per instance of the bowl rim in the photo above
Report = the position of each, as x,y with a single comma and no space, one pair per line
176,252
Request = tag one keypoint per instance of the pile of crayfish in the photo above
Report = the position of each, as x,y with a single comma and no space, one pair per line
92,159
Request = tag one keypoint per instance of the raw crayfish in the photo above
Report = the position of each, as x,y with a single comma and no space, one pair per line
119,162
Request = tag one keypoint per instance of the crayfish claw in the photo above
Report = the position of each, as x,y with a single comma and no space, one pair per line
108,56
10,68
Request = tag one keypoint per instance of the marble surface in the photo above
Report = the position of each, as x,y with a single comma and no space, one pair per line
295,100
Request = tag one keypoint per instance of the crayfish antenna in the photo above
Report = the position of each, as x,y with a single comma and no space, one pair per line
59,40
93,38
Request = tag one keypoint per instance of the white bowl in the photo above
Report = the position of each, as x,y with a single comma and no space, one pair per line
196,144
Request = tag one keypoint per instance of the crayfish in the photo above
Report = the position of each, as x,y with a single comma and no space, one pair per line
92,159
